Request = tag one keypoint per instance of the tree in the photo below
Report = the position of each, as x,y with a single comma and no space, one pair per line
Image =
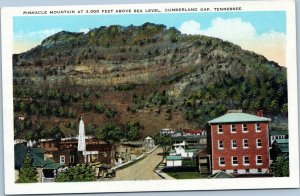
87,106
99,107
164,141
90,129
111,134
78,173
280,167
28,173
111,113
133,130
86,93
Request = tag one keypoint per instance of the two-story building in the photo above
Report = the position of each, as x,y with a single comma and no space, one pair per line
239,143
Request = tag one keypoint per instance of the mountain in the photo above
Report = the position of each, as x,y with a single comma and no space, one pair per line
148,73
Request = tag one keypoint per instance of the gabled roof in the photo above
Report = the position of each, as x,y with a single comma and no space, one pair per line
37,150
282,145
37,155
148,138
53,165
238,117
282,141
193,131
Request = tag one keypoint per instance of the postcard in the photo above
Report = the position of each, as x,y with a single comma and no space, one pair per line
150,97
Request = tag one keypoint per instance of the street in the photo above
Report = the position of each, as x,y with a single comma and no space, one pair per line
142,170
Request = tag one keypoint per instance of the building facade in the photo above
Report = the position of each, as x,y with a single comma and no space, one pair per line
240,144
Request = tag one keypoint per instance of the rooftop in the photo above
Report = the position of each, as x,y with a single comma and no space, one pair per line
278,132
173,157
282,141
238,117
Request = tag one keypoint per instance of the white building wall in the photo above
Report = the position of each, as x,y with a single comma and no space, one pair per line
243,171
177,162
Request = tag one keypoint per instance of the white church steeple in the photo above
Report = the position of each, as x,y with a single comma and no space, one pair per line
81,136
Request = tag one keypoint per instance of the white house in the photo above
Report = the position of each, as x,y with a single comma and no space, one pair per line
167,131
149,143
274,135
174,161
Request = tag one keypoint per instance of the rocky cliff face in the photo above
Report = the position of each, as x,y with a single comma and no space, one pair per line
202,76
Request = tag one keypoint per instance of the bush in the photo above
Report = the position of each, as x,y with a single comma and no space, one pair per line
111,113
99,108
87,106
79,173
86,93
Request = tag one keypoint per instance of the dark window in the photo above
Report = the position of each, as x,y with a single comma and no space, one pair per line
258,159
221,161
246,160
258,127
245,129
245,143
234,161
220,129
258,143
220,144
233,144
233,128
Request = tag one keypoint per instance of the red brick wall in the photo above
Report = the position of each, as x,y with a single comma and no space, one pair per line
251,151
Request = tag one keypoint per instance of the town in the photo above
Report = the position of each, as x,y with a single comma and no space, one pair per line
235,144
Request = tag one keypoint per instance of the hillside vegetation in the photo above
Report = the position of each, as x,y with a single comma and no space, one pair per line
148,74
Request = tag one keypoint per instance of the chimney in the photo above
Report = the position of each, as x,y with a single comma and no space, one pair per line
260,113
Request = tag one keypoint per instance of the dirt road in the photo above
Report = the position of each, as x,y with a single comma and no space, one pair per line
142,170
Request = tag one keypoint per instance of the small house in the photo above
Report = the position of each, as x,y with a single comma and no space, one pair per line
149,143
274,135
174,161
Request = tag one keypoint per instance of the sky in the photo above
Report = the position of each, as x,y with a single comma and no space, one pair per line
263,32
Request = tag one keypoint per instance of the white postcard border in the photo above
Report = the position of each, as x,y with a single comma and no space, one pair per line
153,185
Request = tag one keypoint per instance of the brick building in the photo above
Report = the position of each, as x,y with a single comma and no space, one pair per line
239,143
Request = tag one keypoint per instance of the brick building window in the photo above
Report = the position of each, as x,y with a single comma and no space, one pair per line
234,161
221,161
247,171
232,128
220,144
235,171
62,159
257,127
246,160
220,129
245,143
258,143
245,128
259,160
233,144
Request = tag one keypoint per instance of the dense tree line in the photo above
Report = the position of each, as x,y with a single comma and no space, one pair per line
251,95
78,173
33,131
